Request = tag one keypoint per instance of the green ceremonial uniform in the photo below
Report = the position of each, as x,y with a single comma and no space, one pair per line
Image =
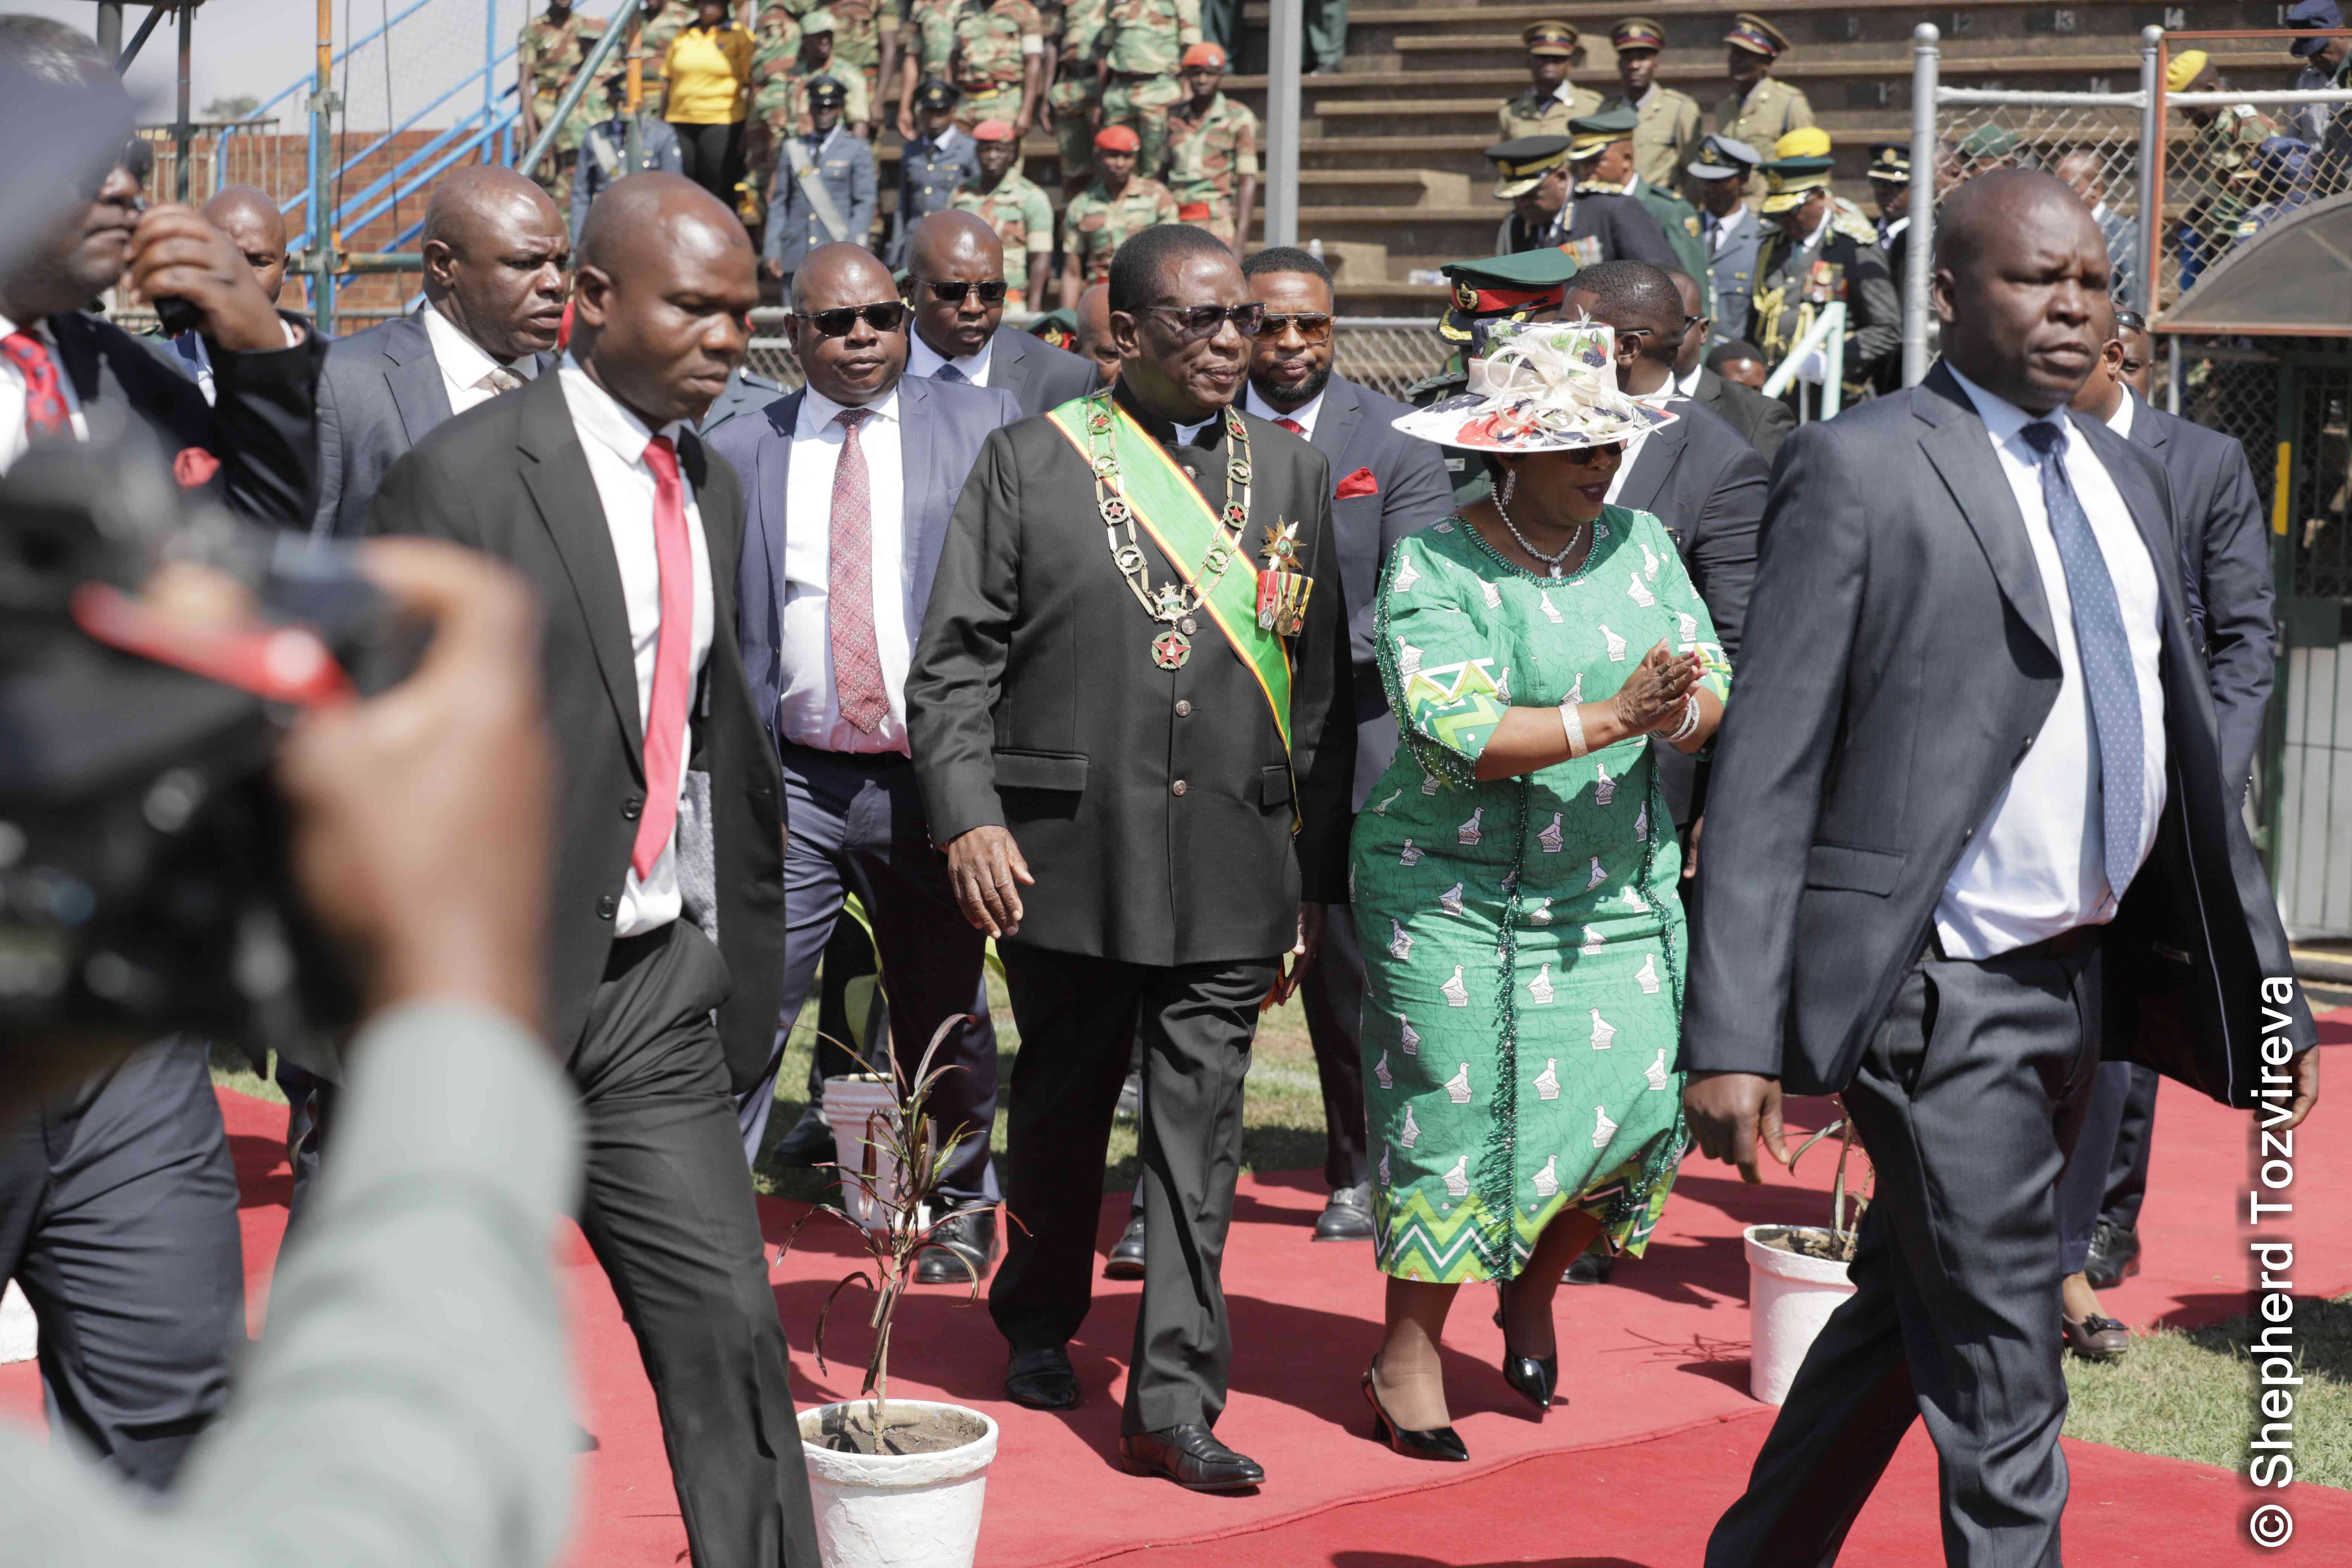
981,47
549,54
1141,42
1096,223
1666,134
1207,159
1843,263
1076,89
1679,219
1536,112
1766,113
1023,220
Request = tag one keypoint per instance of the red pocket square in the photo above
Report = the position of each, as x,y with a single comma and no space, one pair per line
194,467
1359,483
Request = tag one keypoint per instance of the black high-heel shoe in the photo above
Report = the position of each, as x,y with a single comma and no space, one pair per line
1440,1443
1534,1379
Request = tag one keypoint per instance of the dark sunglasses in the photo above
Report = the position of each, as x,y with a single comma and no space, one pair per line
1314,326
991,292
1200,320
883,317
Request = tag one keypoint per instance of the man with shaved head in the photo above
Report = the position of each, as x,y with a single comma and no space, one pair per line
849,483
955,286
591,482
1968,833
252,223
1094,333
496,257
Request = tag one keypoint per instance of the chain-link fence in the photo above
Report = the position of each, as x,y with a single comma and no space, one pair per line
1387,353
2092,143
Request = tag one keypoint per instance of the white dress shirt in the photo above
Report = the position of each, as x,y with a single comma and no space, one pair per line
464,363
2032,870
1186,433
14,433
808,710
1305,414
1688,385
615,441
2120,421
927,361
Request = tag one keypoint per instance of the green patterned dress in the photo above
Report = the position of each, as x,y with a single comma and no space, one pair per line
1523,937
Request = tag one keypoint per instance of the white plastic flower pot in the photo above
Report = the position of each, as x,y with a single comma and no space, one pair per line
898,1510
859,1110
1790,1297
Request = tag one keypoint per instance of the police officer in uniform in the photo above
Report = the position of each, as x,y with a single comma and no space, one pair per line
1816,250
1759,108
1890,188
604,151
1669,123
825,188
1729,231
1546,107
1525,287
939,161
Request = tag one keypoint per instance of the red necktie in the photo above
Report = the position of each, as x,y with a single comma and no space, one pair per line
849,587
45,400
1288,423
673,661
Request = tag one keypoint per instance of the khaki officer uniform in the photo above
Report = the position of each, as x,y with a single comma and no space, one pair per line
1539,111
1668,123
1770,109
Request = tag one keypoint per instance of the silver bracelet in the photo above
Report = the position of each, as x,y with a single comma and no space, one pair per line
1573,726
1687,727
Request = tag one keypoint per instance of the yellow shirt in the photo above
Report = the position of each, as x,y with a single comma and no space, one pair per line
708,72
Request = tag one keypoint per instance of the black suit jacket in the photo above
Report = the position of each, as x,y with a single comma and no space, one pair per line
509,478
1039,375
1707,486
259,428
2225,559
1901,658
1762,422
1034,703
1355,430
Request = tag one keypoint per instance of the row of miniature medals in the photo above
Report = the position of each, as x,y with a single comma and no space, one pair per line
1281,590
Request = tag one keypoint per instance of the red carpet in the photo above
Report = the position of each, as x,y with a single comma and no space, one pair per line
1657,1434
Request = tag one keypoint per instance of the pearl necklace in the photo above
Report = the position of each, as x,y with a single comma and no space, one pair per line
1551,562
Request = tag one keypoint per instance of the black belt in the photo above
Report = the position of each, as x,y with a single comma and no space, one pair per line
2065,945
872,762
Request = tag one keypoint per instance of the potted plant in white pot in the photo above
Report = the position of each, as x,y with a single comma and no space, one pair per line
895,1483
1797,1273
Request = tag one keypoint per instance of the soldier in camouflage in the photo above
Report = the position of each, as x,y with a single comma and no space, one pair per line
993,50
1143,42
1546,107
1118,203
1073,104
864,42
1819,250
780,84
663,22
1759,108
1213,152
549,53
2224,183
1011,205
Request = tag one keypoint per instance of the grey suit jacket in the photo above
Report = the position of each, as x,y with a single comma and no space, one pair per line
1410,490
380,393
2225,562
1707,486
1034,372
1900,660
1762,422
941,429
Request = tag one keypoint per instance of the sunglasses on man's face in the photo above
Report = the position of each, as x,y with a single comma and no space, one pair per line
1201,320
1313,326
991,292
883,317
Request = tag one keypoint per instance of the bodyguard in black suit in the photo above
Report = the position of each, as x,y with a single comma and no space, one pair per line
1968,829
955,290
1131,807
1762,422
495,258
572,481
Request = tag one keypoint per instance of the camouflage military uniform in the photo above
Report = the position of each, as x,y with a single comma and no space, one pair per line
2222,161
1537,112
653,48
857,29
978,45
549,53
1761,118
1096,223
1207,159
1142,41
1844,263
1023,220
1075,91
1666,136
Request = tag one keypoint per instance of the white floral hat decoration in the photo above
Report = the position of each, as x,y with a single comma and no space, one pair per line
1541,386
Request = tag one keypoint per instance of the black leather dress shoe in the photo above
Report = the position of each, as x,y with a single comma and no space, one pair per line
960,1250
1347,1216
2114,1258
1190,1455
1042,1380
1126,1259
2095,1338
809,1142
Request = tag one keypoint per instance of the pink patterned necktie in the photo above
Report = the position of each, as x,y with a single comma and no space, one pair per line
46,413
849,585
1293,426
673,661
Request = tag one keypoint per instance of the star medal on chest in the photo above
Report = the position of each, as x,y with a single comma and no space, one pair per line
1282,588
1172,606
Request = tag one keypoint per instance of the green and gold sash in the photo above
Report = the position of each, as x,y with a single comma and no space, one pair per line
1167,506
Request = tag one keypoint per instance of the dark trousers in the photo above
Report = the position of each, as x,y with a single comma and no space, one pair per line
1195,1023
2134,1132
712,157
2083,1188
118,1216
1962,1098
667,1209
1333,996
858,826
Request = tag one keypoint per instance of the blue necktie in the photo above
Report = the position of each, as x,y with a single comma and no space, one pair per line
2104,651
949,373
